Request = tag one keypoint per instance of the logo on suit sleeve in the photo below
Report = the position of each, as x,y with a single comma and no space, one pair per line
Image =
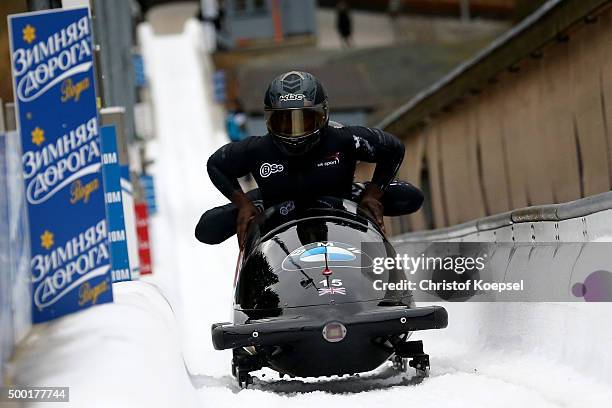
331,160
267,169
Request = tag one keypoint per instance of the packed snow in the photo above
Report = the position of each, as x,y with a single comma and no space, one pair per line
152,347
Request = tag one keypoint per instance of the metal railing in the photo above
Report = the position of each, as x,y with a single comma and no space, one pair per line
554,214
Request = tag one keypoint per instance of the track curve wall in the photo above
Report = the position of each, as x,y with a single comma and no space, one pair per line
573,333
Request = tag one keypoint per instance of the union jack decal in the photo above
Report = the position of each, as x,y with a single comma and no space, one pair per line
332,291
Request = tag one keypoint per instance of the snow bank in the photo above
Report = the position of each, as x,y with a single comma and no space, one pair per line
123,354
15,309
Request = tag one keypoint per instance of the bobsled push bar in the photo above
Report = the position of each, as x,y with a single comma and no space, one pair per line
277,331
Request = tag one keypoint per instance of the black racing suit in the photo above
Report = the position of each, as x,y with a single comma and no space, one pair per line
327,170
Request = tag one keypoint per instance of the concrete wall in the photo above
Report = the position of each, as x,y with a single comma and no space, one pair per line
298,17
249,24
537,133
571,331
551,247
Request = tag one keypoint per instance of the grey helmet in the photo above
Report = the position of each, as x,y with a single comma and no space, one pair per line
296,111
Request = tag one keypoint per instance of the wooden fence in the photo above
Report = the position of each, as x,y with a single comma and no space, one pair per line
539,132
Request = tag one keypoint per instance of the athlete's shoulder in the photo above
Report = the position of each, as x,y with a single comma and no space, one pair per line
360,130
350,137
352,131
258,139
338,130
253,142
335,125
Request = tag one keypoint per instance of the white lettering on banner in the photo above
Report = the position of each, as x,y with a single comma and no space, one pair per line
72,156
109,158
34,160
42,264
113,197
115,236
120,274
48,290
67,266
48,62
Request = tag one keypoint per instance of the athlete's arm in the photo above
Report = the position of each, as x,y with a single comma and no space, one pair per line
384,149
229,163
224,167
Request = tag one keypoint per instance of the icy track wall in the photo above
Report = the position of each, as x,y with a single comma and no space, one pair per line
14,255
577,334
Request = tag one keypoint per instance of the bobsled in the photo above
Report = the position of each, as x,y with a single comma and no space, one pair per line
308,302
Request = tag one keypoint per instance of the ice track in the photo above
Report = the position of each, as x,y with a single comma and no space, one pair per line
524,359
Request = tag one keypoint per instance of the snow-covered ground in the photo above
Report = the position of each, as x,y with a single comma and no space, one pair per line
189,127
152,347
124,354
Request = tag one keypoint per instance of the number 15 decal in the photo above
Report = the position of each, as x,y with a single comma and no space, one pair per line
334,282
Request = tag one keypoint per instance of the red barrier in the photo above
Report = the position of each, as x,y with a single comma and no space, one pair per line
142,231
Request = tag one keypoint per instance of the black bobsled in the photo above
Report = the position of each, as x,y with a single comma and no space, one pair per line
307,300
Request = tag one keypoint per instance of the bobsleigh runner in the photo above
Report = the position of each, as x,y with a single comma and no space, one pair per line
305,303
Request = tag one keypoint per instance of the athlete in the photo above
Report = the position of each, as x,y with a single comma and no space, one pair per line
304,155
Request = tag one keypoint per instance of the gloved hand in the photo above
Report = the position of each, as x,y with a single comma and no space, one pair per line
246,212
370,202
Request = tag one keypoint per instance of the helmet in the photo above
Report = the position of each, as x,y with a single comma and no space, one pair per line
296,111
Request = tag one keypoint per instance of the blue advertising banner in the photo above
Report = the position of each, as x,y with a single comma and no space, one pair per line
148,185
52,66
114,205
130,220
141,78
219,86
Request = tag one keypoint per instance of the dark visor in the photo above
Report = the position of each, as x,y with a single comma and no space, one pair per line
294,123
